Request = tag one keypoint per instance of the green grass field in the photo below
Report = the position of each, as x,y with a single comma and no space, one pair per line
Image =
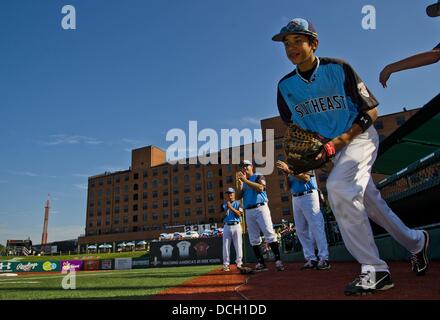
121,284
135,254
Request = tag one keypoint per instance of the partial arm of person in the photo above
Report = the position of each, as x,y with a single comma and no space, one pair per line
305,177
416,61
234,211
259,187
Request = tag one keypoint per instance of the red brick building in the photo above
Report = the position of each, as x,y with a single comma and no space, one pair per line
152,195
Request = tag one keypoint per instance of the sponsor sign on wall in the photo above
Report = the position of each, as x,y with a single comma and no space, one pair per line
123,263
91,265
186,252
106,264
77,265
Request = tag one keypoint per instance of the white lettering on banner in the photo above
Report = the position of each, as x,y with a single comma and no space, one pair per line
123,263
26,267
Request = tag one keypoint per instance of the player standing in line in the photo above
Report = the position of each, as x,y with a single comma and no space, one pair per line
232,229
309,221
252,188
328,97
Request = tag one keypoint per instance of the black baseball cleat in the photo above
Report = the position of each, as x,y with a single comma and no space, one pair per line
260,267
310,265
419,261
368,283
323,265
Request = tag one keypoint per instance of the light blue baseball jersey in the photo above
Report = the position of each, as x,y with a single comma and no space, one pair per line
250,196
329,102
298,186
231,217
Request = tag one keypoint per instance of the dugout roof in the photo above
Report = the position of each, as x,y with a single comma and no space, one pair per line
417,138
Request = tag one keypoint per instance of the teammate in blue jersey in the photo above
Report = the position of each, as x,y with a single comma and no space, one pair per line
327,96
251,187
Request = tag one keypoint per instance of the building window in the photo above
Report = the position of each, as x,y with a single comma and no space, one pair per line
135,218
155,194
176,191
145,216
116,210
125,209
187,189
165,182
187,212
176,214
126,178
109,181
135,207
145,195
220,183
165,215
145,185
165,203
176,202
210,197
187,200
220,172
209,174
176,168
164,171
186,167
229,179
100,183
198,176
199,211
229,167
99,212
136,176
135,197
107,211
126,188
135,186
155,217
198,199
125,219
118,179
155,183
198,187
145,206
186,178
154,172
209,185
176,180
155,206
165,193
211,210
145,174
117,190
135,229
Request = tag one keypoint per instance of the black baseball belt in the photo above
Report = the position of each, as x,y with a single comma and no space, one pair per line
299,194
256,206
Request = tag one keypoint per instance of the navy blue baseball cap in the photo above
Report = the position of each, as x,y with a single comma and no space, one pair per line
433,10
230,190
296,26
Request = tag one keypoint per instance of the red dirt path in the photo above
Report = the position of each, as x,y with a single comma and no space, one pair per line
293,284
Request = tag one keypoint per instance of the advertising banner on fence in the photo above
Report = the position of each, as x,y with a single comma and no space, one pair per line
140,263
186,252
123,263
91,265
39,266
107,264
75,264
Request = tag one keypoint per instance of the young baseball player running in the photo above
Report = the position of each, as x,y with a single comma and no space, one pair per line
232,229
252,188
309,221
327,96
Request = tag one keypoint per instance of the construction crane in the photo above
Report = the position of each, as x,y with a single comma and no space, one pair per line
46,221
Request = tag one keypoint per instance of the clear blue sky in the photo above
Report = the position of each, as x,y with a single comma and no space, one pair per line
74,103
